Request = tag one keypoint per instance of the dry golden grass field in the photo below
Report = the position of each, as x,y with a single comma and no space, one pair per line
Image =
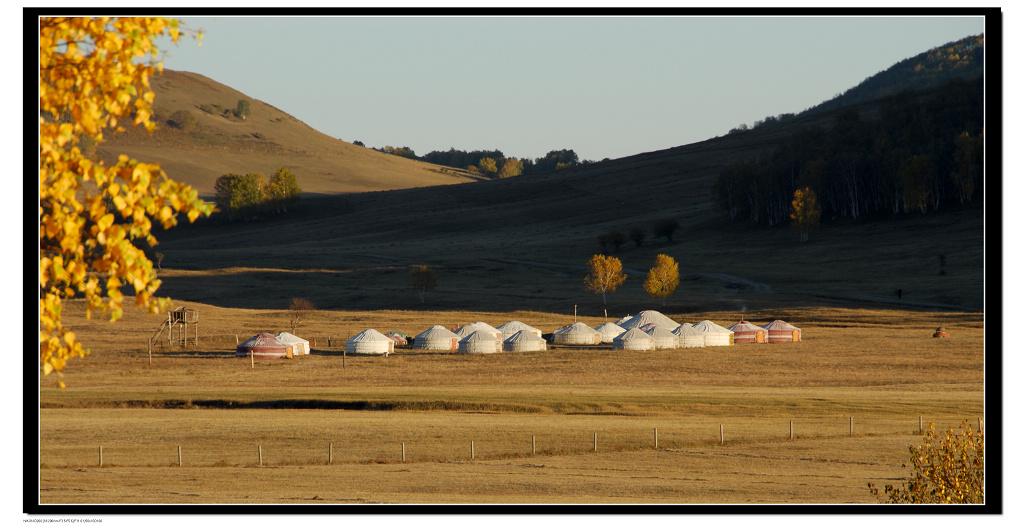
501,428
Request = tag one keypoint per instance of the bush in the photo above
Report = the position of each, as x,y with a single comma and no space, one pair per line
946,470
183,119
206,108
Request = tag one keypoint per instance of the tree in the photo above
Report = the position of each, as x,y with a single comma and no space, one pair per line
488,166
666,228
282,190
299,310
604,274
804,212
94,73
223,191
423,280
242,109
662,278
637,235
950,469
511,167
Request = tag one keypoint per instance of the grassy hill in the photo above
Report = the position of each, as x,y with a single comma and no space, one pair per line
219,143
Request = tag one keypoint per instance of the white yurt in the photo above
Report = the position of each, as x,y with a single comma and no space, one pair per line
688,336
622,320
714,334
634,340
480,342
371,342
468,329
663,338
578,333
609,331
780,331
436,338
746,332
649,316
299,346
525,340
515,326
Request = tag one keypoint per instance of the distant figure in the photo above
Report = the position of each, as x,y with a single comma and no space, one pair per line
899,293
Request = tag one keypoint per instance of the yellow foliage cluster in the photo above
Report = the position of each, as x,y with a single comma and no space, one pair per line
604,274
948,469
804,212
663,277
94,72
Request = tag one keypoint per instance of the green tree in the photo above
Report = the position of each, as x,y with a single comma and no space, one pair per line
92,216
242,109
604,274
804,212
662,278
637,235
949,469
223,189
247,195
423,280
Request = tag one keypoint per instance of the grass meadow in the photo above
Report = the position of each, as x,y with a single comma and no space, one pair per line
501,428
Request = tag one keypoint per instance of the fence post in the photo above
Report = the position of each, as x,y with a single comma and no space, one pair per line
721,434
101,456
252,359
920,425
533,443
403,452
655,438
851,426
595,441
330,453
472,450
179,455
790,430
259,450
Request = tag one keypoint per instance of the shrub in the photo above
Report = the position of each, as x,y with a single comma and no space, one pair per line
950,469
183,119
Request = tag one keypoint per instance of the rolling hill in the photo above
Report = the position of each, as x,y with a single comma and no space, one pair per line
521,243
219,143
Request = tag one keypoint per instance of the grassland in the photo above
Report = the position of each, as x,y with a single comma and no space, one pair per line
509,427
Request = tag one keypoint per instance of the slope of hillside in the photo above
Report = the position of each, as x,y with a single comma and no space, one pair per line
268,138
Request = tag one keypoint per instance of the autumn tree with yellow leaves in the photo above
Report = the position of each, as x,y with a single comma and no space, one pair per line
662,278
604,274
947,469
94,218
804,212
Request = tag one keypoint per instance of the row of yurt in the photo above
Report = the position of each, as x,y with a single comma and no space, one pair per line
578,333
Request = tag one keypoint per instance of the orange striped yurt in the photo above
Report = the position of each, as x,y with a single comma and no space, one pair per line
746,332
780,331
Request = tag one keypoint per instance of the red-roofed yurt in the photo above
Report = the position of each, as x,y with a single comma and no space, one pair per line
780,331
746,332
264,345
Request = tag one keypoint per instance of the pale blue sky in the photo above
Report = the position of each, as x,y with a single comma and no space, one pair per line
605,87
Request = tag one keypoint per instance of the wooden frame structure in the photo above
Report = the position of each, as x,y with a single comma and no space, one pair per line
177,323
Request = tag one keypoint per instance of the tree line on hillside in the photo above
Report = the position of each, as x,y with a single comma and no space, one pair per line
244,197
490,164
924,151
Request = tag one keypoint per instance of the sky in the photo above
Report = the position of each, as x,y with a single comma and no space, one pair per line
606,87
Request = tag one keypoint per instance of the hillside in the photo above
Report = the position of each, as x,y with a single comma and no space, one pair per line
219,144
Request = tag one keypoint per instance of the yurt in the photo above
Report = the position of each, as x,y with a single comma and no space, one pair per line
609,331
437,338
714,334
634,340
746,332
525,340
513,327
468,329
663,338
622,320
780,331
480,342
264,345
398,338
578,333
299,346
371,342
649,316
688,336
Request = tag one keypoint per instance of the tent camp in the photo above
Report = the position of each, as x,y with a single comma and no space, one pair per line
513,327
264,345
688,336
746,332
480,342
468,329
634,340
525,340
714,334
649,316
780,331
663,338
578,333
370,341
299,346
609,331
437,338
